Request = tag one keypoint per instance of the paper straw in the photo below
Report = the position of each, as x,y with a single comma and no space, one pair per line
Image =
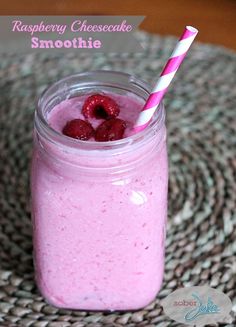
165,78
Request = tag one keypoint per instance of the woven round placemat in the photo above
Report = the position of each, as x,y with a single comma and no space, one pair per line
201,120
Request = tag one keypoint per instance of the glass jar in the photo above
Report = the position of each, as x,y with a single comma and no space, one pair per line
98,208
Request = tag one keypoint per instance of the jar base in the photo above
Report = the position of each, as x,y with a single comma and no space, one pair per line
59,302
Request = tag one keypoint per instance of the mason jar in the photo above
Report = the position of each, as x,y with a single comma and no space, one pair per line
98,208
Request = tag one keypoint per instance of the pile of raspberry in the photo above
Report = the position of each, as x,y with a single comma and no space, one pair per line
97,106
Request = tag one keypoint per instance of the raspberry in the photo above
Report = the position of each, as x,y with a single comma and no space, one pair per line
78,129
110,130
100,106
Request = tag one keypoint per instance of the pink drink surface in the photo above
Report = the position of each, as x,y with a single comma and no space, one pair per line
99,240
71,109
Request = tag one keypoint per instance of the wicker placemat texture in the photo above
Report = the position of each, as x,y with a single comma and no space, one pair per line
201,234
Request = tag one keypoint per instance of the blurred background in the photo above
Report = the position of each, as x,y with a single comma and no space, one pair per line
215,19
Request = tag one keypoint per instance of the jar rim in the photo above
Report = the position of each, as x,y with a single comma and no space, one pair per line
58,138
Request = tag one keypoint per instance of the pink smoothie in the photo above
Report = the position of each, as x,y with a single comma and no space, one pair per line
99,217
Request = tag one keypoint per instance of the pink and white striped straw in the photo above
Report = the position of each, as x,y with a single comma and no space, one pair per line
166,77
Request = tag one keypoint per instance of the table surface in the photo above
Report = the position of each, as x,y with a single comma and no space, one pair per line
215,19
